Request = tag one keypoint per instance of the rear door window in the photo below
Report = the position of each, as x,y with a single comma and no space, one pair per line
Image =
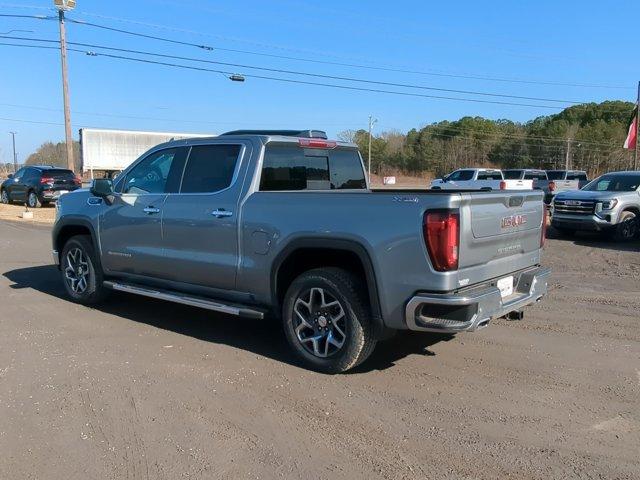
295,168
210,168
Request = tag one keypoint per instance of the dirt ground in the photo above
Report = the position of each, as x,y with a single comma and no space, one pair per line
40,215
139,388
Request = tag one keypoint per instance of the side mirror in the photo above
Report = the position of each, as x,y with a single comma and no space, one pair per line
10,175
103,188
445,178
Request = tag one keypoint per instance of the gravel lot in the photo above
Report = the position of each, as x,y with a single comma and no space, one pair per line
143,389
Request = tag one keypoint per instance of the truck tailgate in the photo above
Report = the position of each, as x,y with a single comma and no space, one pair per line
500,233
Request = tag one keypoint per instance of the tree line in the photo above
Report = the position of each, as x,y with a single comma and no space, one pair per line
585,137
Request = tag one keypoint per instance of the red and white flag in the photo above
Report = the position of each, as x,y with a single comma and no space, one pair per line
632,136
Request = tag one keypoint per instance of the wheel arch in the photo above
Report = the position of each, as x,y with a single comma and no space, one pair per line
303,254
69,227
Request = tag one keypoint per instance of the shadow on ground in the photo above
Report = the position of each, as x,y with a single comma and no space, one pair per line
261,337
595,240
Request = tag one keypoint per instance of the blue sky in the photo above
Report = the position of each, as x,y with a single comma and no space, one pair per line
588,42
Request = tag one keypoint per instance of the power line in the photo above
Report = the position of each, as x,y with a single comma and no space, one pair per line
137,117
326,62
307,74
389,68
299,82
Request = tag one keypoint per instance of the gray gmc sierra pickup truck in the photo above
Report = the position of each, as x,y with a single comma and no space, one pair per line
283,223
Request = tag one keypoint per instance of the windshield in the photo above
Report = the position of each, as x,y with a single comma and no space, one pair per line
614,183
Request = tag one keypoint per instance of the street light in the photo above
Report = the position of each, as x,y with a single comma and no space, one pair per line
63,6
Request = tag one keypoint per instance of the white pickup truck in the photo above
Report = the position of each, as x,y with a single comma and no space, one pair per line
479,179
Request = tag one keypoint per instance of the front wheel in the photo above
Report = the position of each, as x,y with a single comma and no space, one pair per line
4,197
627,227
327,320
81,271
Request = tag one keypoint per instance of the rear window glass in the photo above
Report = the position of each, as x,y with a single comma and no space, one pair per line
489,175
555,175
57,173
535,176
295,168
576,176
512,174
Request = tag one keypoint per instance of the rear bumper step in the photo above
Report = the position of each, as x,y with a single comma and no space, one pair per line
474,308
185,299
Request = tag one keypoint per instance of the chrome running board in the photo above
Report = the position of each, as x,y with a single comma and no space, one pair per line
185,299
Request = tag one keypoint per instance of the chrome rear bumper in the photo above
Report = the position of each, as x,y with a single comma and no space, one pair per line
473,308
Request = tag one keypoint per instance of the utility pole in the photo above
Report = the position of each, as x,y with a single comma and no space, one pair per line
63,5
15,157
635,153
372,121
567,154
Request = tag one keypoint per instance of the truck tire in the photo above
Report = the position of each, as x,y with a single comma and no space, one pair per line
327,320
81,271
627,227
4,197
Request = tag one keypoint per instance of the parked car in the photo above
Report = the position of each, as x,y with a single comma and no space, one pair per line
479,179
562,181
252,223
610,203
37,185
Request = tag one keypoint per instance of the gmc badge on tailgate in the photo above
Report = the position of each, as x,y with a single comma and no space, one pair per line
513,221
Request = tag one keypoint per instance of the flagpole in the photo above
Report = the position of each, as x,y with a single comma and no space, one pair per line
635,153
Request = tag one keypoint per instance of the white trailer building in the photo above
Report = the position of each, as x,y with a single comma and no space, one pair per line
111,151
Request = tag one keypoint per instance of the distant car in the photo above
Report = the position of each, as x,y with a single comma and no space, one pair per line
610,203
479,179
38,185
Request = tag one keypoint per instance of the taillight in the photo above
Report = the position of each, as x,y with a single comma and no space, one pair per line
503,185
441,230
543,234
46,180
316,143
552,186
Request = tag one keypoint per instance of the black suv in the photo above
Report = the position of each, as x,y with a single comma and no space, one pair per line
38,185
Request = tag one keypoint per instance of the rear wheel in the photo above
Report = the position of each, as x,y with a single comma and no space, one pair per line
32,200
81,271
327,320
627,227
4,197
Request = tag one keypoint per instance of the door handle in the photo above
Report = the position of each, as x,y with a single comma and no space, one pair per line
221,212
150,210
